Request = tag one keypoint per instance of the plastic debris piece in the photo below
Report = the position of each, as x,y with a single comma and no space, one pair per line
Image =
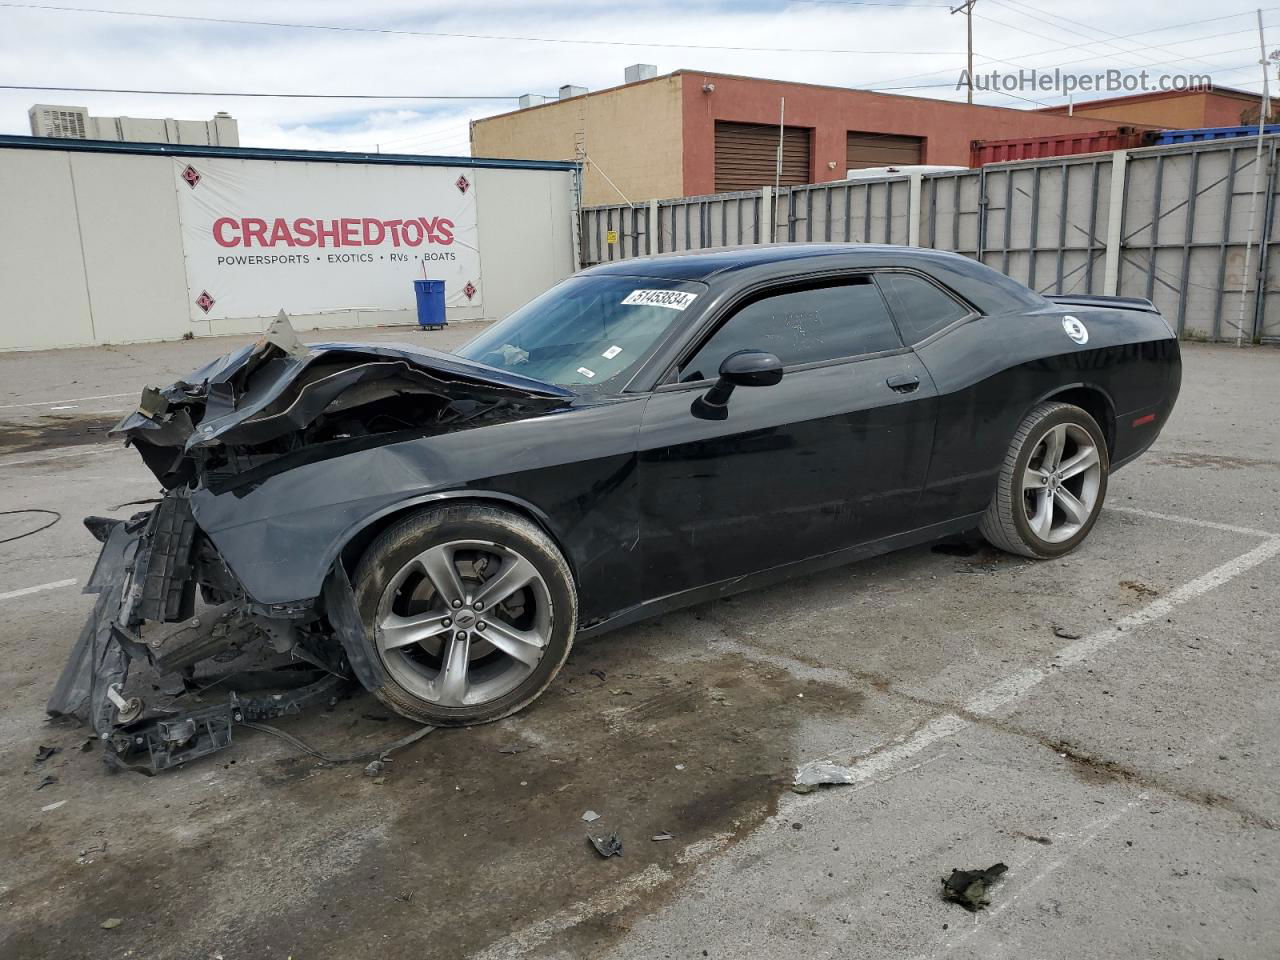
375,768
609,846
1066,634
661,836
591,816
111,923
513,748
818,773
969,887
52,806
43,753
679,766
46,781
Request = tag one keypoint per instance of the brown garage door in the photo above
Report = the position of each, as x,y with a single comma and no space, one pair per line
747,155
882,150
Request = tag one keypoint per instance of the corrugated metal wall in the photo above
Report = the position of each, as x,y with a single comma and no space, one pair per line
1180,238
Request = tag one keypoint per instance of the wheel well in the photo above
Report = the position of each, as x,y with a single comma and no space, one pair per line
354,549
1095,403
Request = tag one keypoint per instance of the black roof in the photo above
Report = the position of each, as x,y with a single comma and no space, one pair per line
729,267
705,264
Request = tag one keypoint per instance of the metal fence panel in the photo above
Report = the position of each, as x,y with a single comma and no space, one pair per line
1184,222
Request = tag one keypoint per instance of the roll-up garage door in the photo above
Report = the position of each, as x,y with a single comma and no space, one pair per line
882,150
747,154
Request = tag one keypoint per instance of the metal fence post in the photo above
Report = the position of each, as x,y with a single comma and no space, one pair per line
766,214
1115,223
1264,241
652,229
913,209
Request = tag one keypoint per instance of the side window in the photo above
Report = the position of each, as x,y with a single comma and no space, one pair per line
802,326
919,307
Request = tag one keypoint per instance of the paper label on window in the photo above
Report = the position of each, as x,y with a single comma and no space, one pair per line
611,353
671,299
586,373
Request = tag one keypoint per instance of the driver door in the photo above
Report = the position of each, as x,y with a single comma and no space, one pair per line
834,455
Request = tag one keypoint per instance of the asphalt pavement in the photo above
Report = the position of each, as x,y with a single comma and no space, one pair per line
1105,725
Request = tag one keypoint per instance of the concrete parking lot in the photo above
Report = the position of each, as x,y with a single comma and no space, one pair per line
1106,725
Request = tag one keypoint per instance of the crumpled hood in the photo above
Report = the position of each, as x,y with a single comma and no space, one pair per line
279,386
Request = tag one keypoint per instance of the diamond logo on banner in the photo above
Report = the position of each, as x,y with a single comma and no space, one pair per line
469,290
191,175
462,183
204,301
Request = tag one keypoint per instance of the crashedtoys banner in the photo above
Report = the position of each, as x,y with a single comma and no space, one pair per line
307,237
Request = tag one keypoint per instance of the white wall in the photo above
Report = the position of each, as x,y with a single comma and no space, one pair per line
91,250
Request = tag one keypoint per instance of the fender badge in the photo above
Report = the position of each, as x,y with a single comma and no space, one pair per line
1076,330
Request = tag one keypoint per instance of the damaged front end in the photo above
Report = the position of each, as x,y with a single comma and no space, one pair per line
168,600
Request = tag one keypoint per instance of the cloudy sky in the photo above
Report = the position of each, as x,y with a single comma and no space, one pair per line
403,52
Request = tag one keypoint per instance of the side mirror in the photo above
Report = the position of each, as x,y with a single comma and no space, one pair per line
746,368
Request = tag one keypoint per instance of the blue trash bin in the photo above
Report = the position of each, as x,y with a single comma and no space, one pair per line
429,295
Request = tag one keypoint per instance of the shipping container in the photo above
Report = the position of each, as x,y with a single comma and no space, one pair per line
1057,145
1166,137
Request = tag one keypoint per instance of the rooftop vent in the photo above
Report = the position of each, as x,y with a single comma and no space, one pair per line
640,71
531,100
71,123
569,90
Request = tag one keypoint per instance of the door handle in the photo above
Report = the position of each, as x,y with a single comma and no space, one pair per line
903,383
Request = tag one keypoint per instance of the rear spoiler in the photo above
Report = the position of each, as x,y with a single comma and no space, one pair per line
1115,303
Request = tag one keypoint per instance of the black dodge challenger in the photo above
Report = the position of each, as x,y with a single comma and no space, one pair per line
645,435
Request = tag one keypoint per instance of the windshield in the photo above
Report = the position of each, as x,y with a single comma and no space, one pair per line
587,332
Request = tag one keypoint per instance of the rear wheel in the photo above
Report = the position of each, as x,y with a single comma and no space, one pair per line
471,610
1052,484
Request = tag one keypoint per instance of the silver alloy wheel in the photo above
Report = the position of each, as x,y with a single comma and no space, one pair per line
1060,485
463,623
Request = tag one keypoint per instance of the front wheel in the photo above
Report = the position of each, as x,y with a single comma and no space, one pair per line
471,611
1052,484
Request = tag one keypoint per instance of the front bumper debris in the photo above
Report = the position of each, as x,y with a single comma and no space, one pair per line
148,575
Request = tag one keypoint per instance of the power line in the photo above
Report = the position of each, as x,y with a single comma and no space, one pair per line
878,84
282,96
190,18
1106,33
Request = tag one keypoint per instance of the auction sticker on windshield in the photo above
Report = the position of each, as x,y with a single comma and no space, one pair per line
671,299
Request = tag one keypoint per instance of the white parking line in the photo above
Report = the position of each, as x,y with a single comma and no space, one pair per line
49,403
40,588
61,453
1193,521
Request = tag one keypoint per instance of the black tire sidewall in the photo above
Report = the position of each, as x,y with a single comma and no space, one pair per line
401,543
1080,418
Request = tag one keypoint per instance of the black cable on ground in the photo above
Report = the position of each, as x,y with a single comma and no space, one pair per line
53,513
299,743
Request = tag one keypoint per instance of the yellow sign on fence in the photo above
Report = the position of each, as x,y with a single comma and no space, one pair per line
611,237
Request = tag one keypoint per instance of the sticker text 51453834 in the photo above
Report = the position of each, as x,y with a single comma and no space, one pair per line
671,299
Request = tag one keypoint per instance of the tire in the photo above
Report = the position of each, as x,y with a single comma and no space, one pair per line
412,625
1016,519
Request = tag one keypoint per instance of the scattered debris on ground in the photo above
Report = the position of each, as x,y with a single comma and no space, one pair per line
818,773
662,836
47,781
514,748
590,816
43,753
607,846
969,887
111,923
375,768
1066,634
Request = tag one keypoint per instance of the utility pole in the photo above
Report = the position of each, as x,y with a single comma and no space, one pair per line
967,9
777,170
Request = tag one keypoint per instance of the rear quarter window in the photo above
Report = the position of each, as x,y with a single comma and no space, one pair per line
920,307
